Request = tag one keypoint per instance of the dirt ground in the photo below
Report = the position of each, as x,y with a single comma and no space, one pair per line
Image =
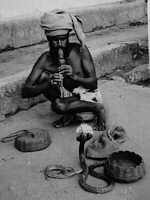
21,176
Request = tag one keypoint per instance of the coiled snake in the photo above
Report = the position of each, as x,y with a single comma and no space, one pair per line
90,170
59,171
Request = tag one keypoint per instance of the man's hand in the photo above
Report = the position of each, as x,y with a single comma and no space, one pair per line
57,78
66,70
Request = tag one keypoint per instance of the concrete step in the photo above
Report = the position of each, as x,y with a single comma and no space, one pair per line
138,75
118,48
111,50
100,43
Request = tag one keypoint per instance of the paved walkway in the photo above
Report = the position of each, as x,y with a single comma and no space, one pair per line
20,173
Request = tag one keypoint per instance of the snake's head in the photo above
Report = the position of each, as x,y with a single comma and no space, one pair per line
84,133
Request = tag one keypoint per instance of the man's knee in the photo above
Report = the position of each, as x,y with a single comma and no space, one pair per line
51,93
58,106
100,107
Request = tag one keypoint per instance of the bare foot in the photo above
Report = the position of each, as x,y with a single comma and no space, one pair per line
65,120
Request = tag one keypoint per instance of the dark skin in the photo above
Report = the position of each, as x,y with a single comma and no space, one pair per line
78,71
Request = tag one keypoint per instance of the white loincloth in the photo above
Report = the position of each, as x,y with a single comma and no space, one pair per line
90,96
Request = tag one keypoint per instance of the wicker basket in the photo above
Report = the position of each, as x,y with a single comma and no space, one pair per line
33,140
125,166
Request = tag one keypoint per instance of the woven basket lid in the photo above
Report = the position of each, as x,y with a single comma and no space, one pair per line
32,140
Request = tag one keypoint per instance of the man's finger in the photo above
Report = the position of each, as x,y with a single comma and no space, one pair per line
57,76
65,67
65,70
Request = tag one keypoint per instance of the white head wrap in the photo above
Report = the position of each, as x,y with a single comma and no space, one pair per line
61,20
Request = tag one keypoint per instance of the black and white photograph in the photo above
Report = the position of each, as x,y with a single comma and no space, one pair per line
74,100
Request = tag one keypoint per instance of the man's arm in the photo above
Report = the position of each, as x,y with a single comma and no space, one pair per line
31,88
90,80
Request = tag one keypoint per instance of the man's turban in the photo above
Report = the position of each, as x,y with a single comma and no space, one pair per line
61,20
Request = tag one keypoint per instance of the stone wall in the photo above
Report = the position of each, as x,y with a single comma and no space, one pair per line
27,31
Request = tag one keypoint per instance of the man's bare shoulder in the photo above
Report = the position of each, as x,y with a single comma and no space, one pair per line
76,47
44,56
42,60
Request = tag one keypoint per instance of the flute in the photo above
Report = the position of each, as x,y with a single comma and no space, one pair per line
62,61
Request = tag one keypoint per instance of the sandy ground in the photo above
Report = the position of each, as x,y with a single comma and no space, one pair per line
21,176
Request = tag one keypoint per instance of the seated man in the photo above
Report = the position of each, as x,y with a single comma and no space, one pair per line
69,65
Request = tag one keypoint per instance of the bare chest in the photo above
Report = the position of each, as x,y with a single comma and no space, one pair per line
75,63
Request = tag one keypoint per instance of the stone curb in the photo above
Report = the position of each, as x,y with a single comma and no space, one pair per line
116,56
26,31
10,95
140,73
106,61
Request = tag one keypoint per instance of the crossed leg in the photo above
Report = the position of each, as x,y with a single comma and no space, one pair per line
72,105
52,93
69,106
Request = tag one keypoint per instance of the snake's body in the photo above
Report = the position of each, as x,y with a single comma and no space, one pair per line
64,172
90,171
61,172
